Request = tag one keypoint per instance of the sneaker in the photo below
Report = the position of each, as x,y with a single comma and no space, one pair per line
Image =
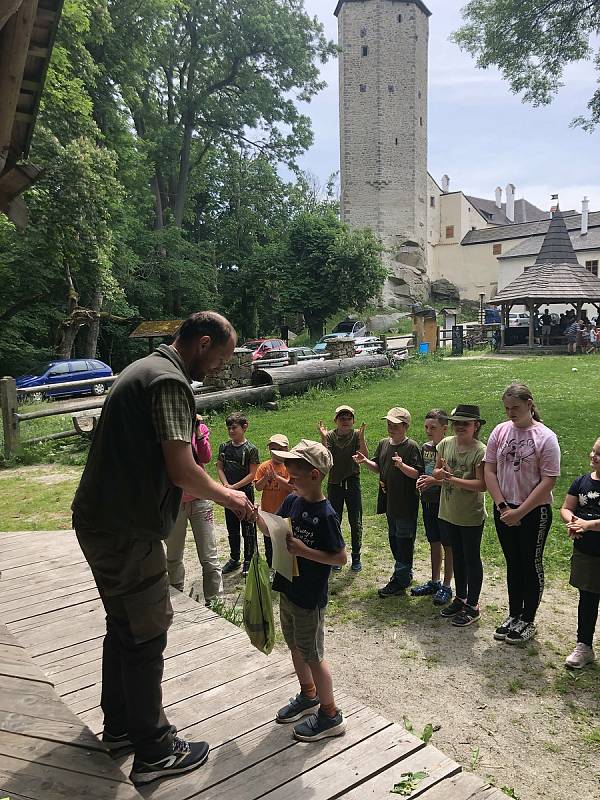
185,757
245,568
230,566
466,617
336,568
502,631
320,726
391,589
520,632
442,596
580,657
297,708
356,566
431,587
112,742
455,607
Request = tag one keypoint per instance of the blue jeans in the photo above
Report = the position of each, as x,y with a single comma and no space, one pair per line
402,533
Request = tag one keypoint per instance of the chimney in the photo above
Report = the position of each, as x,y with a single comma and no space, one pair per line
498,197
585,210
445,184
510,202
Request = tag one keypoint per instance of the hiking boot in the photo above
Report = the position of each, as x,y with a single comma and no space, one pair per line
297,708
245,568
580,657
185,757
356,566
336,568
502,631
520,632
442,596
230,566
391,589
455,607
431,587
466,617
115,742
320,726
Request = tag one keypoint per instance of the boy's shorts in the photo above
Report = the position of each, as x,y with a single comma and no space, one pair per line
303,628
433,531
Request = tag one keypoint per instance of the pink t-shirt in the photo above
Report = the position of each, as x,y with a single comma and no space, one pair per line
523,456
202,449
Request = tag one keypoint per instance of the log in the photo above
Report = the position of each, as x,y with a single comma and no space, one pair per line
241,396
300,377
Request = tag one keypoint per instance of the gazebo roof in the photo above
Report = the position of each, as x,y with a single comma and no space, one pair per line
155,328
557,276
552,283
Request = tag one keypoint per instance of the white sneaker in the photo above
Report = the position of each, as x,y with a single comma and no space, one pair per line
580,657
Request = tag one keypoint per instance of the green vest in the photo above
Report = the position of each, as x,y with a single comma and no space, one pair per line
125,488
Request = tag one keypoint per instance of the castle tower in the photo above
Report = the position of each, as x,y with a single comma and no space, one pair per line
383,133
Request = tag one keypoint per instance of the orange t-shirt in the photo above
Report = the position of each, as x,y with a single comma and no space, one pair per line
274,493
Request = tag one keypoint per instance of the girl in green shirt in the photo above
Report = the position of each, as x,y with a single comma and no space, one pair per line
459,465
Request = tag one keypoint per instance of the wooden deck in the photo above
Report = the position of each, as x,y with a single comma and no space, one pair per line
216,687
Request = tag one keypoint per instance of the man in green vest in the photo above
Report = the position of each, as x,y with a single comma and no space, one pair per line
139,463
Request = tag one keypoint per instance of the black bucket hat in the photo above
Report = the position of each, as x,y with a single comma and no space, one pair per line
466,413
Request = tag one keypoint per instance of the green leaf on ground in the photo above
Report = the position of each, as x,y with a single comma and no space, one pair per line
409,782
427,733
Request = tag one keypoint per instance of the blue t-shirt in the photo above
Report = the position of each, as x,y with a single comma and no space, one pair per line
587,492
318,527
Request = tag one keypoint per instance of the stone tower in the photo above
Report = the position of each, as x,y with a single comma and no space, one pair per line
383,134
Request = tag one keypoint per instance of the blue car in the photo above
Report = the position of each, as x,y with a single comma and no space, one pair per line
78,369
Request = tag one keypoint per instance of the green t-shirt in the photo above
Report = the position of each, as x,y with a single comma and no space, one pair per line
342,448
400,491
460,506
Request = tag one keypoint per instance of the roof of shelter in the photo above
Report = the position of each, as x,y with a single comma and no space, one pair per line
551,283
156,328
421,5
532,245
524,211
556,247
526,229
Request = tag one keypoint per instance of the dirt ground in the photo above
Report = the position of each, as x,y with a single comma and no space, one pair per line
514,715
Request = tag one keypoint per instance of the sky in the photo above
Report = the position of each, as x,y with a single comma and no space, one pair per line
480,134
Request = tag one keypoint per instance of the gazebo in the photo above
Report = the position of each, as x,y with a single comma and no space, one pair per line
556,277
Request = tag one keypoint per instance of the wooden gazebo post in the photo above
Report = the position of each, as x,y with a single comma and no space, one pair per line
531,309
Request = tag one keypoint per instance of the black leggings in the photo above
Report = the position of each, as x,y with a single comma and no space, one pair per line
248,531
587,616
523,548
466,554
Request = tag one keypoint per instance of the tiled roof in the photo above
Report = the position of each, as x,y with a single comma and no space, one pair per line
556,247
520,231
524,211
532,245
421,5
551,283
156,328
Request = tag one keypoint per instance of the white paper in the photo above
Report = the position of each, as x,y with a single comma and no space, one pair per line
283,561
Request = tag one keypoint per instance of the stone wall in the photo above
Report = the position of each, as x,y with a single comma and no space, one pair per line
341,348
236,372
383,135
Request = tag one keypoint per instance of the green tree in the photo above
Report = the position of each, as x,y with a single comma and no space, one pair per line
329,267
531,42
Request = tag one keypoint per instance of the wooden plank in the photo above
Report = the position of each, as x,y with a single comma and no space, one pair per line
45,607
332,777
74,733
72,649
53,564
94,763
24,671
255,749
61,576
64,617
41,782
25,598
33,704
430,760
464,786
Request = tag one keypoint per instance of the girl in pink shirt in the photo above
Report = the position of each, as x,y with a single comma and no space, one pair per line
522,463
200,515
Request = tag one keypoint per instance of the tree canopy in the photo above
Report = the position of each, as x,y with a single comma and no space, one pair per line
532,41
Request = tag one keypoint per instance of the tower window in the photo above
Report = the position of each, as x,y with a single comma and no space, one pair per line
592,266
363,87
497,249
365,50
396,141
363,33
399,17
449,231
419,94
432,201
421,121
391,88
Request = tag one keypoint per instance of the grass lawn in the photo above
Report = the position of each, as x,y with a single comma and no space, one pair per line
568,402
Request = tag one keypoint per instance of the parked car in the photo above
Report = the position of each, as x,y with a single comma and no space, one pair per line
491,316
306,352
321,345
518,319
266,348
351,327
77,369
367,345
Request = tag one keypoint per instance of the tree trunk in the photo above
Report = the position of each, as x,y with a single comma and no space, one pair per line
90,342
316,327
159,220
184,173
